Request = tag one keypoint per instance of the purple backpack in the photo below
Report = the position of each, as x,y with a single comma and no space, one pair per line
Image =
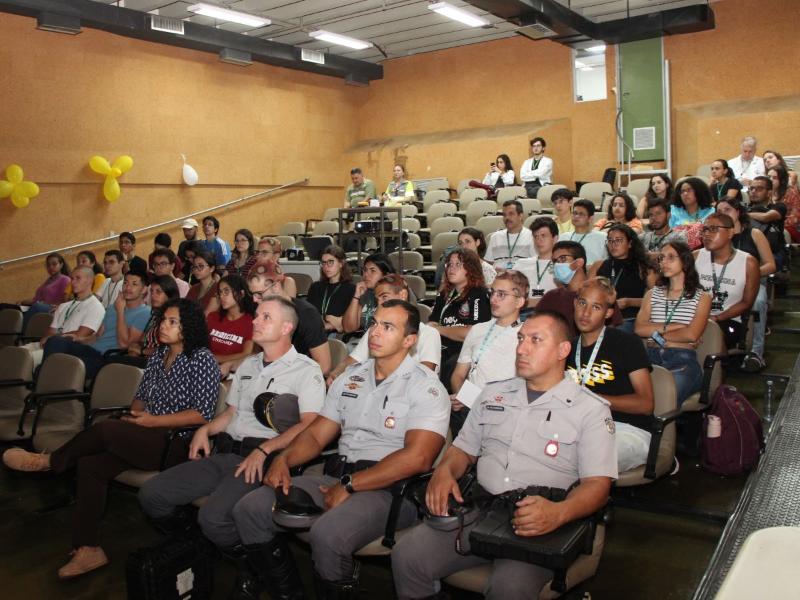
736,434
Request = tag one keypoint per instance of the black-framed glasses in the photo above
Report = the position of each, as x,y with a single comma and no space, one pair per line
714,228
502,294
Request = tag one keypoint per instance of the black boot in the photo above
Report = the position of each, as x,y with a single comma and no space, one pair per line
274,564
248,586
344,589
182,523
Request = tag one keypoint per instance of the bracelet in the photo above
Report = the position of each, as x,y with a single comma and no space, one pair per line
264,452
356,297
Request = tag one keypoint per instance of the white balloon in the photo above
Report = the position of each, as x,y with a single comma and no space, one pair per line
190,176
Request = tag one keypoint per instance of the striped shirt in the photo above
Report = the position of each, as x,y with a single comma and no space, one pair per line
660,307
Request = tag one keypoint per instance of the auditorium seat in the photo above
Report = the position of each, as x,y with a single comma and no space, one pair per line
545,195
437,211
37,327
511,192
10,326
292,228
711,344
58,408
489,224
594,191
530,206
338,351
331,214
410,224
16,379
412,261
478,209
442,225
638,187
326,228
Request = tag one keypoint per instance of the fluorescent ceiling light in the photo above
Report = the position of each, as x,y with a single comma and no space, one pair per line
597,49
226,14
457,14
339,40
579,64
586,69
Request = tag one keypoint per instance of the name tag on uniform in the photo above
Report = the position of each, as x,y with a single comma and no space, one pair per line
245,377
349,395
495,407
468,393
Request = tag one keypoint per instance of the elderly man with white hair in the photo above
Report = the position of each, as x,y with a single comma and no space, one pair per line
748,165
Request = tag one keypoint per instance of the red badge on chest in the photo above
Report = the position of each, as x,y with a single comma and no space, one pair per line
551,448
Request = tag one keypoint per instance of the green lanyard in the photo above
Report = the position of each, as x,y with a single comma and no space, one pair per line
508,244
326,301
536,164
71,309
718,282
655,241
613,271
668,315
484,345
572,237
720,187
539,275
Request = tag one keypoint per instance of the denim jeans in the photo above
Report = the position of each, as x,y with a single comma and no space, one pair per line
760,326
684,367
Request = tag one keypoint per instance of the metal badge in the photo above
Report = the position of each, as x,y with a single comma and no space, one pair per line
551,448
610,425
389,423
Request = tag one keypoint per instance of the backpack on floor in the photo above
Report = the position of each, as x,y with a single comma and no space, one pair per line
176,569
732,437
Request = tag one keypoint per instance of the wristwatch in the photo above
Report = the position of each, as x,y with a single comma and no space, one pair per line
347,483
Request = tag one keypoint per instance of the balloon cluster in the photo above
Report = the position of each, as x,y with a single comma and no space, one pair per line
100,165
14,185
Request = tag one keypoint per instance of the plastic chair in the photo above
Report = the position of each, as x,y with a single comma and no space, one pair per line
709,353
16,380
303,282
414,241
410,224
412,261
478,209
469,196
463,184
292,228
287,241
424,312
489,224
326,228
638,187
331,214
531,206
10,326
417,285
437,211
593,191
443,225
511,192
37,327
409,210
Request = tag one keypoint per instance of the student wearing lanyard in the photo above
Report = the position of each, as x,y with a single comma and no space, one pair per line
539,269
673,317
593,241
723,183
112,267
538,169
512,243
488,346
331,295
659,231
629,270
613,364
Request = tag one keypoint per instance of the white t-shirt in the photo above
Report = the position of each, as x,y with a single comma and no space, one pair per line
488,273
543,171
109,291
593,242
731,282
427,349
541,279
745,170
492,177
74,314
505,248
489,350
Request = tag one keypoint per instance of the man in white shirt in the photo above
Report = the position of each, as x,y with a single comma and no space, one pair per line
747,166
485,354
112,268
427,350
164,264
594,242
537,170
539,269
508,245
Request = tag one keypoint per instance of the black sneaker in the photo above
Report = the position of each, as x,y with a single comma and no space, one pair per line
753,363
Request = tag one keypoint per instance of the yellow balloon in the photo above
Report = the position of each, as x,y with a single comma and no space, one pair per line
27,189
6,188
19,200
123,163
115,172
14,174
98,164
111,189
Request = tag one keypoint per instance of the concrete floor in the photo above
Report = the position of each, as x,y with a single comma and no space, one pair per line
646,555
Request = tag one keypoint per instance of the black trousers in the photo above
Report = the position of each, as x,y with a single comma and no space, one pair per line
102,452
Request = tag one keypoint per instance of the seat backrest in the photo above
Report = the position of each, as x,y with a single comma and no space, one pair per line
10,326
704,171
414,241
417,285
15,363
409,210
411,224
469,195
530,206
411,260
665,399
545,194
439,210
488,225
478,209
440,183
338,351
510,192
303,282
60,421
292,228
331,214
115,385
463,184
38,325
434,196
287,241
594,190
712,342
446,224
424,311
326,228
440,243
61,372
638,187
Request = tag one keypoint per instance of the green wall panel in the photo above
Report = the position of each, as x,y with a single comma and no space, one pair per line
641,67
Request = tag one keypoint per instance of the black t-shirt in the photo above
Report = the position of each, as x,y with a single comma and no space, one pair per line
310,331
719,191
137,265
451,312
774,229
620,354
627,280
331,298
744,241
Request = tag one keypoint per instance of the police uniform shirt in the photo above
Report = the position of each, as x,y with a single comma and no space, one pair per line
292,373
564,435
487,349
427,349
374,418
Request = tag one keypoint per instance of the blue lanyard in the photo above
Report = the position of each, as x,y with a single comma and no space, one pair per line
583,375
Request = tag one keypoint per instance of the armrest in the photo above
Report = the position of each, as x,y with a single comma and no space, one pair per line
708,370
96,412
657,426
114,352
172,435
12,383
400,491
25,339
37,401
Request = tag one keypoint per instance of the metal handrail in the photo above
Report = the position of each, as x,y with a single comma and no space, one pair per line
157,225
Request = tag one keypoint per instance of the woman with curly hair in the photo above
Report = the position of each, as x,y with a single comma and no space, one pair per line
620,210
628,269
783,191
673,317
179,390
230,328
243,255
462,302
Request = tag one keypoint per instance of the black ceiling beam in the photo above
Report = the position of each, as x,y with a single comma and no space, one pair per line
568,23
136,24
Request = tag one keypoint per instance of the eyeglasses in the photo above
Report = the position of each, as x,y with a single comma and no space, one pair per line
757,188
265,252
160,264
224,292
328,263
564,258
260,294
453,265
199,267
616,241
502,294
714,229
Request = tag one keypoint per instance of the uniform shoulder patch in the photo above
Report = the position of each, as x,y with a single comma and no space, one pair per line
610,425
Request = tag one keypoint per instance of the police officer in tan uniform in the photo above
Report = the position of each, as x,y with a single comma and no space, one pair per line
392,414
539,428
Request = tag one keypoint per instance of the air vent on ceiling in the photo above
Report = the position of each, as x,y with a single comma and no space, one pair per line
165,24
536,31
312,56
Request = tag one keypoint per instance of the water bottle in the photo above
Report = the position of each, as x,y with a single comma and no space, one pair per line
768,401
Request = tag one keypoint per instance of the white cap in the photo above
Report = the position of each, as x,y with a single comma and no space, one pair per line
189,223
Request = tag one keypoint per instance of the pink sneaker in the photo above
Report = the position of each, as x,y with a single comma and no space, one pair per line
84,559
22,460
